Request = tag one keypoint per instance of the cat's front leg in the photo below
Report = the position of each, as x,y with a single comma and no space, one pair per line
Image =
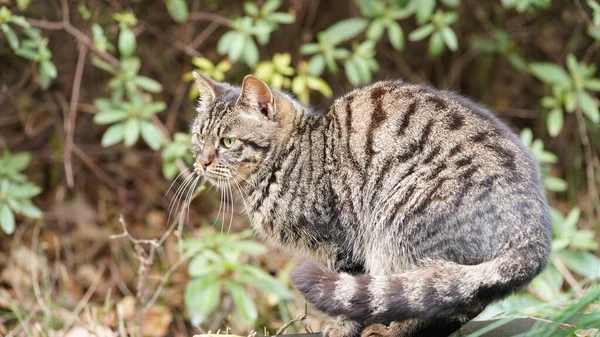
341,327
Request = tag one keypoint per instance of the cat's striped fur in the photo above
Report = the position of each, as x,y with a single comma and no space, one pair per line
416,205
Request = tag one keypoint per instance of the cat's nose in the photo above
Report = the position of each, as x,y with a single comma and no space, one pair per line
206,159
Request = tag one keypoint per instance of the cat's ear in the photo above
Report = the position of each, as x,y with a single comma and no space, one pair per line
258,95
209,89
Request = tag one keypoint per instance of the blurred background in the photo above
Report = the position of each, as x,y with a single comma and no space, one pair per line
96,100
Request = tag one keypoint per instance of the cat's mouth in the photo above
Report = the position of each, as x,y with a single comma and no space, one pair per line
214,174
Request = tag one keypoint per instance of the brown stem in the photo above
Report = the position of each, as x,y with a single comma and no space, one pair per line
73,114
206,16
589,161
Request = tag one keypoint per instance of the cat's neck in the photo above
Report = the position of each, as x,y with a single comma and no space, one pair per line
295,179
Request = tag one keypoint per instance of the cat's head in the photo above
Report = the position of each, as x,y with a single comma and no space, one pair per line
237,129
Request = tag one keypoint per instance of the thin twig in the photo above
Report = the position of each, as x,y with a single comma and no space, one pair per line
589,161
73,115
79,35
560,266
206,16
300,318
95,168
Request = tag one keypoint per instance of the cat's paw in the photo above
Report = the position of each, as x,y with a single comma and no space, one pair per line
375,330
340,327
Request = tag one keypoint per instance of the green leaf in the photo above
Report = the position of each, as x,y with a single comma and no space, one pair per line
24,191
583,263
593,84
148,84
345,30
554,184
352,72
151,135
572,64
7,219
549,73
316,66
110,116
131,131
421,32
251,8
178,9
589,107
424,10
249,274
242,300
375,30
526,137
127,42
436,44
27,208
225,42
249,247
449,38
48,68
19,161
282,18
320,85
569,225
271,5
309,48
11,36
555,121
251,52
570,102
113,135
202,297
396,36
23,4
153,108
27,54
237,47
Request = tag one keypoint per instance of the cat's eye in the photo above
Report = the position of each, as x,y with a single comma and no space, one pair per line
198,139
227,141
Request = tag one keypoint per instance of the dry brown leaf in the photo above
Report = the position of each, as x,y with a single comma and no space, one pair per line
156,321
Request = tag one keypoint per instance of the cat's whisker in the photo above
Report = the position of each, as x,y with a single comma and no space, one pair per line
175,180
246,208
231,208
242,177
220,202
178,193
190,197
180,197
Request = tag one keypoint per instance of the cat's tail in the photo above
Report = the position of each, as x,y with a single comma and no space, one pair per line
440,289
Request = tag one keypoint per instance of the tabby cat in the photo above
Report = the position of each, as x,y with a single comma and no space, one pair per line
415,207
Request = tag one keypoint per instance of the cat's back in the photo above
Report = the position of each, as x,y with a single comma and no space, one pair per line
393,124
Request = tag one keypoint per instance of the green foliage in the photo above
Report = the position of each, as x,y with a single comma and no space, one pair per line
128,121
502,44
178,9
570,91
208,68
545,158
132,118
279,74
239,44
216,269
441,35
384,16
569,316
16,190
179,148
34,47
594,27
526,5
